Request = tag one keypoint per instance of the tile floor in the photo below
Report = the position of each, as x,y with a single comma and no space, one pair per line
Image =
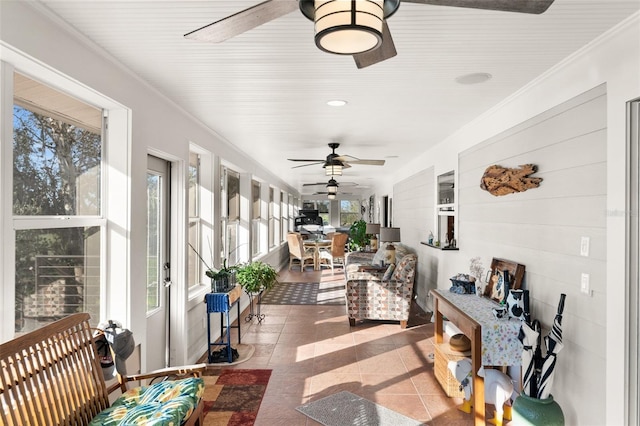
314,353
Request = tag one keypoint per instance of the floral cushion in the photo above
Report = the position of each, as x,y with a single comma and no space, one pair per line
406,268
163,403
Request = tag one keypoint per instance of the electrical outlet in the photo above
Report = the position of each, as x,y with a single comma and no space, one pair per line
584,284
584,246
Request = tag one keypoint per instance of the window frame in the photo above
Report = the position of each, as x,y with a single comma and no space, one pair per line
114,149
256,218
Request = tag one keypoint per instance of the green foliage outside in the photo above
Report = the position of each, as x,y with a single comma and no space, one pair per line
56,172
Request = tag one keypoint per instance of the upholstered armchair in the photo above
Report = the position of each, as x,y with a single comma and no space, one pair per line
381,295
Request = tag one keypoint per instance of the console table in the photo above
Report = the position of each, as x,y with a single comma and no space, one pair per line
222,303
494,342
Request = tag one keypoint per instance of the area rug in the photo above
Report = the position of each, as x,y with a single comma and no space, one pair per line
327,293
232,397
346,408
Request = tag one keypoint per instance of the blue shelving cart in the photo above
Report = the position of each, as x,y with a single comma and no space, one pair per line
222,303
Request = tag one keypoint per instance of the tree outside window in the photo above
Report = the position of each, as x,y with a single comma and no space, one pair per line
349,212
57,173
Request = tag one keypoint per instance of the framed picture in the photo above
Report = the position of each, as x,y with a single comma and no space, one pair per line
503,276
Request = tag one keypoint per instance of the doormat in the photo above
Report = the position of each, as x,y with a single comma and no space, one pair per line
232,397
346,408
327,293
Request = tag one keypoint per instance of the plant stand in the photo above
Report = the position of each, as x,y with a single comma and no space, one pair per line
255,314
222,303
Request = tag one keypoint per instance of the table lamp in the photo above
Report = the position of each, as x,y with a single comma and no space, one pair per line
390,235
373,229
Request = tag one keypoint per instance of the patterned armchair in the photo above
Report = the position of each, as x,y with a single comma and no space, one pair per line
384,295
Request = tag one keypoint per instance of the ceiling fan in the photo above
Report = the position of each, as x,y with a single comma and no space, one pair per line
334,163
325,184
336,21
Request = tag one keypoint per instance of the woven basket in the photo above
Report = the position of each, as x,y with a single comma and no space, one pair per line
444,354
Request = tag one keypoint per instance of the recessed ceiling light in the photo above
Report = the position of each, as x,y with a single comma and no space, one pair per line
474,78
337,103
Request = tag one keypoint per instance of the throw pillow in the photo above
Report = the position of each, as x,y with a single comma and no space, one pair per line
401,250
406,268
516,303
379,256
388,272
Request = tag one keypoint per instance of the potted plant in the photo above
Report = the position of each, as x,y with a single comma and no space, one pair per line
255,277
223,279
358,238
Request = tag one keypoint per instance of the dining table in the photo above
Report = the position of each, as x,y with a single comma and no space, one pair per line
317,245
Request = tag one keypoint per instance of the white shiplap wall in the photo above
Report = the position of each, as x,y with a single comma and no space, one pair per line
542,229
413,212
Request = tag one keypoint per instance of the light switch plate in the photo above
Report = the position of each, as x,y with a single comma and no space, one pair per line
584,246
584,284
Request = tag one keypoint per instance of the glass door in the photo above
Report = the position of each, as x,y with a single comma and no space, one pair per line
158,267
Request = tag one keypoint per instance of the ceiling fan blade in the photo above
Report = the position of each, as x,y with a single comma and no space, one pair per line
243,21
356,160
521,6
315,160
325,184
310,164
368,162
386,50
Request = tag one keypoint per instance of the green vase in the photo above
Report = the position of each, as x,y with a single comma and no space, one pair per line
536,412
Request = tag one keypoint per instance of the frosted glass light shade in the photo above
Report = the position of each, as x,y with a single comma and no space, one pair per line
347,27
333,169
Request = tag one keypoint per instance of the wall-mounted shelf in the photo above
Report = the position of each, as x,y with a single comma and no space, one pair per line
438,247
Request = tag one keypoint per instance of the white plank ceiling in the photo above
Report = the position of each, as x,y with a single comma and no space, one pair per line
265,91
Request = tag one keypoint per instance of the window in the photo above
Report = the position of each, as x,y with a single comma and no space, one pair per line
230,215
323,211
349,212
272,224
285,219
57,174
255,218
293,211
195,223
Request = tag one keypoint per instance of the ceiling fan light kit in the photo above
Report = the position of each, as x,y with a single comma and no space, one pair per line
333,168
348,27
332,186
331,196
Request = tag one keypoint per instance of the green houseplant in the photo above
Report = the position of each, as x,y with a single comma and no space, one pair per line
223,279
256,276
358,238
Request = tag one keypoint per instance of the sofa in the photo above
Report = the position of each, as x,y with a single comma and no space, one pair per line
379,294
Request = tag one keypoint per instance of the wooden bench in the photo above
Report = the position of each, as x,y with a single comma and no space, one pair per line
52,376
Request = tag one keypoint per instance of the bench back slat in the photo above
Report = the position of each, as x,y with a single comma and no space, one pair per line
52,376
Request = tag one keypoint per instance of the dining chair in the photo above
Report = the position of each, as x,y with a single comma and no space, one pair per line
298,254
336,251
